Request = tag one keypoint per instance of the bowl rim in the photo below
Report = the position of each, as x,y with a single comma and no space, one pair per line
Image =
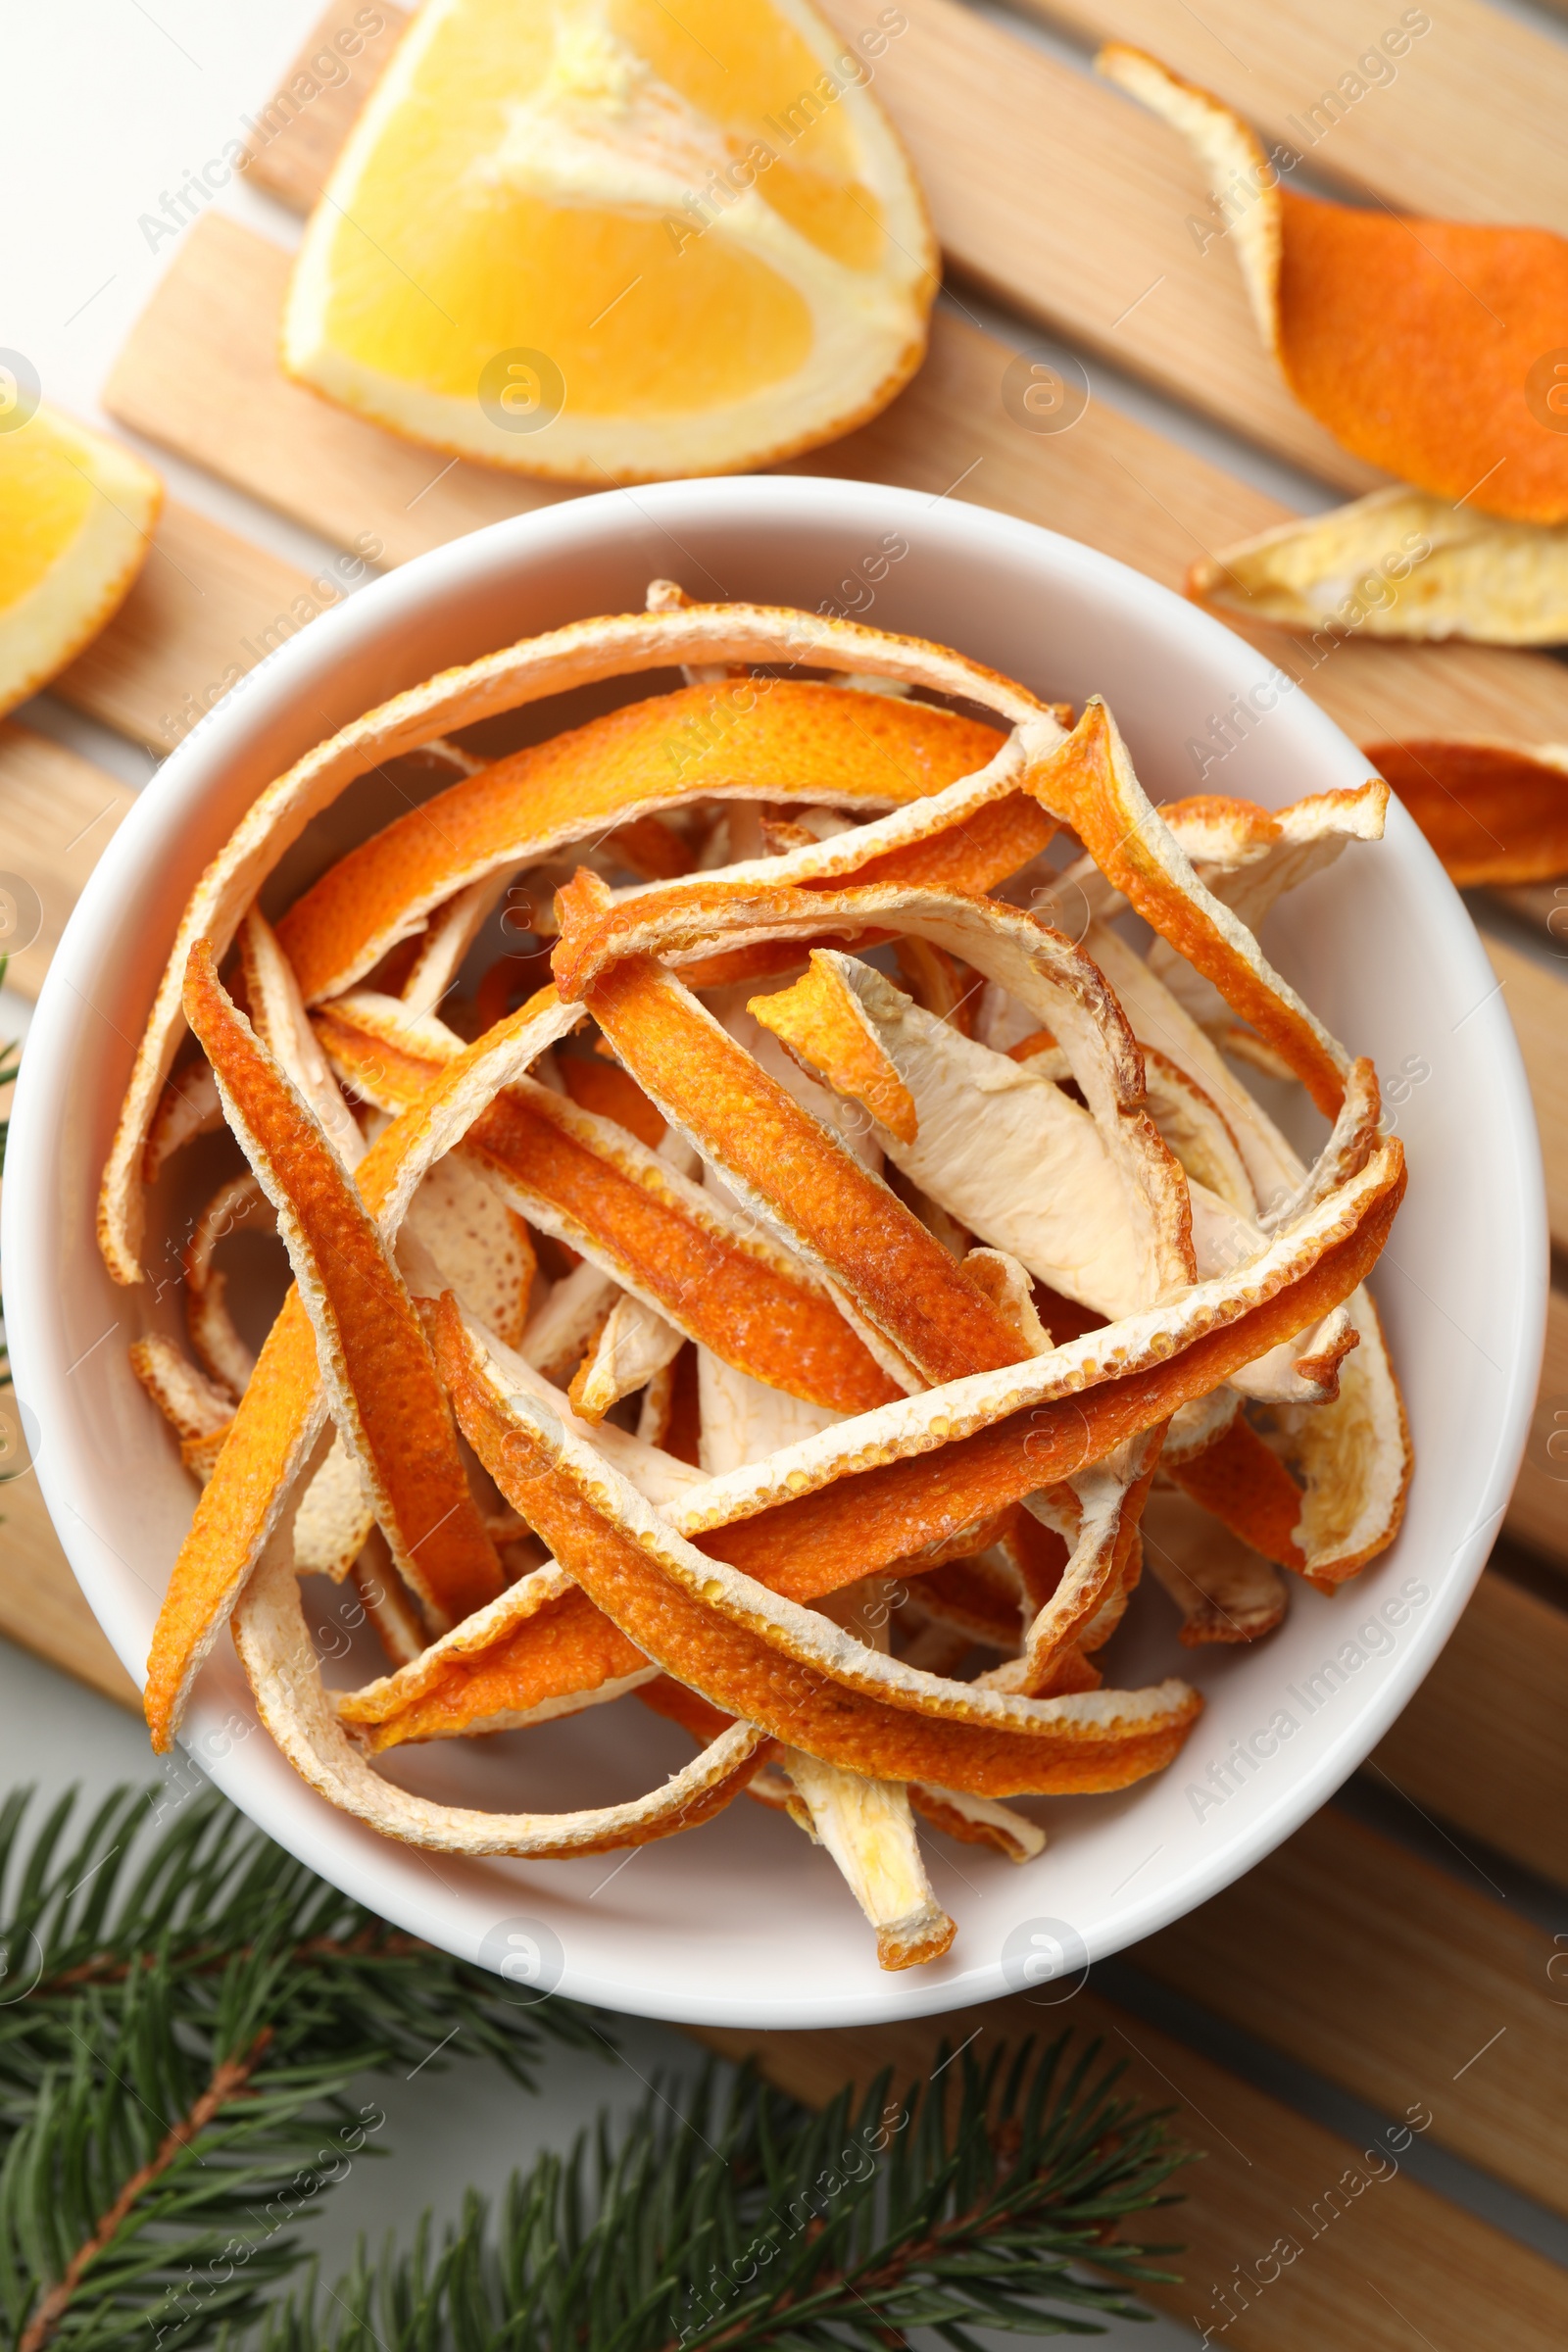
287,682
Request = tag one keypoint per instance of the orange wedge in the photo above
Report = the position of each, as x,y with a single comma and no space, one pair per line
611,242
77,517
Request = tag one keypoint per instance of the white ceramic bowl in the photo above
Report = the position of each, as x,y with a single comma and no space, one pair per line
743,1921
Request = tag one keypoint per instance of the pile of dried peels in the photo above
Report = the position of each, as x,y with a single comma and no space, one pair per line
921,1255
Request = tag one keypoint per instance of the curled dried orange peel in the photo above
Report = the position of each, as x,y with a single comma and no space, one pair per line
1432,348
815,1126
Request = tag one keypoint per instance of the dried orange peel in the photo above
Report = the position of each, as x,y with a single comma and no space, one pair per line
1495,810
789,1170
1432,348
1413,341
1396,564
581,653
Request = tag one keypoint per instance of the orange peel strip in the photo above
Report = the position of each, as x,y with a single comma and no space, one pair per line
212,1334
996,1144
579,654
1495,812
1245,1486
592,1184
195,1409
1111,1498
602,1087
491,1675
1091,785
796,1177
962,839
282,1413
795,741
371,1351
1226,1591
876,1491
275,1648
1415,342
1036,964
790,1669
820,1022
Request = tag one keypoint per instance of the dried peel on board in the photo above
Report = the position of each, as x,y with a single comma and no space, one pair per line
686,1335
1495,812
1434,350
1396,564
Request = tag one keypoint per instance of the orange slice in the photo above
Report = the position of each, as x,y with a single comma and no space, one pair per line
76,517
609,241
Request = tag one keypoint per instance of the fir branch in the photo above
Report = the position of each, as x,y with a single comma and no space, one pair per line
743,2223
183,2011
230,2079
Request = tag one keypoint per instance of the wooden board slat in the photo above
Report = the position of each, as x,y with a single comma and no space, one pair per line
1375,1969
1483,1742
207,607
203,356
1538,1006
1465,125
1538,1514
294,136
56,812
42,1607
1397,2268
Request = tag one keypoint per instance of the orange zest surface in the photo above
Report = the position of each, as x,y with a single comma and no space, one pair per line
792,741
1494,811
1429,348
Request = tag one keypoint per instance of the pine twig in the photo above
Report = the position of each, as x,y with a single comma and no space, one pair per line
229,2081
186,2020
747,2223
